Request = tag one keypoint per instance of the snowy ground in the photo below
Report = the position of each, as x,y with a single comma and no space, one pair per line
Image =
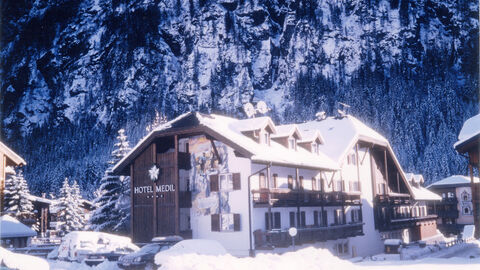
464,256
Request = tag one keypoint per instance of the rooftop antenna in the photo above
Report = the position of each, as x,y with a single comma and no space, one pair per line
262,107
249,110
321,115
343,109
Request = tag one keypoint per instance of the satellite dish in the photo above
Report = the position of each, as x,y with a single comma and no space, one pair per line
262,107
321,115
249,110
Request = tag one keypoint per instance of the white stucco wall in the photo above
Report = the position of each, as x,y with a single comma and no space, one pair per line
464,218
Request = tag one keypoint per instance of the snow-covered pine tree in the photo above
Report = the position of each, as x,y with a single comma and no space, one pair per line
113,203
160,119
69,212
17,198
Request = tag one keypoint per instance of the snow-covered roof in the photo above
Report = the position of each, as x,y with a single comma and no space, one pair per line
311,135
415,178
454,180
286,131
470,129
230,130
11,227
14,157
341,134
422,194
392,242
255,124
40,199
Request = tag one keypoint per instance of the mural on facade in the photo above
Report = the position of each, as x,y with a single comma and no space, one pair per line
204,163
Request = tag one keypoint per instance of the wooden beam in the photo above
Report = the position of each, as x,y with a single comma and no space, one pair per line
331,180
177,185
132,208
476,217
358,166
155,217
373,172
387,188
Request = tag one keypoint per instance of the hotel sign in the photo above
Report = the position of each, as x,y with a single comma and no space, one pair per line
149,189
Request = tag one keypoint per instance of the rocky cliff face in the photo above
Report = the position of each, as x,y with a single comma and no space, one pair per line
73,71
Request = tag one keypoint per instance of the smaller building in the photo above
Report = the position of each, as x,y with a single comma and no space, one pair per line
7,158
455,210
13,233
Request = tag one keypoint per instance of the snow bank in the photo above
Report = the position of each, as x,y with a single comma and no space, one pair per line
21,261
308,258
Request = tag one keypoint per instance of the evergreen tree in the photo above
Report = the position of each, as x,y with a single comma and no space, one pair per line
69,211
112,211
17,198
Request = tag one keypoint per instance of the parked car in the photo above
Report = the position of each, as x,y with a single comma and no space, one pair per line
76,246
144,258
196,246
112,256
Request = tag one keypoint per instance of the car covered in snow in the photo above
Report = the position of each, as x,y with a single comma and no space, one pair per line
11,260
112,256
77,245
144,258
191,246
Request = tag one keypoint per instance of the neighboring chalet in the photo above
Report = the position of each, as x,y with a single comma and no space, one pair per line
7,158
469,143
455,210
245,182
13,233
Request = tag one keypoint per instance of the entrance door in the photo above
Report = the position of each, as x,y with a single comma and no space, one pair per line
166,190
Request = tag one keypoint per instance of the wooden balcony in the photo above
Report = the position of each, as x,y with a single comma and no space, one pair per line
393,199
448,201
448,213
281,238
402,223
280,197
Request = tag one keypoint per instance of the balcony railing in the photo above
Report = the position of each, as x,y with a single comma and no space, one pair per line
447,213
393,199
402,223
281,238
292,197
453,200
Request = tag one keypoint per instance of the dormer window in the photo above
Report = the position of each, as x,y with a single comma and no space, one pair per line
266,138
315,148
292,143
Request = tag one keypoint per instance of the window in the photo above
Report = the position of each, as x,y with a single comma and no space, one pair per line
292,143
290,182
292,219
341,248
275,178
272,220
466,211
226,181
339,185
266,138
315,218
314,148
225,222
353,159
314,184
302,219
356,215
262,181
338,217
300,180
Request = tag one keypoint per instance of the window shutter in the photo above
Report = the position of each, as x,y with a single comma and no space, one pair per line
292,219
324,218
315,218
215,222
236,181
360,218
335,220
267,221
278,222
214,182
236,222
